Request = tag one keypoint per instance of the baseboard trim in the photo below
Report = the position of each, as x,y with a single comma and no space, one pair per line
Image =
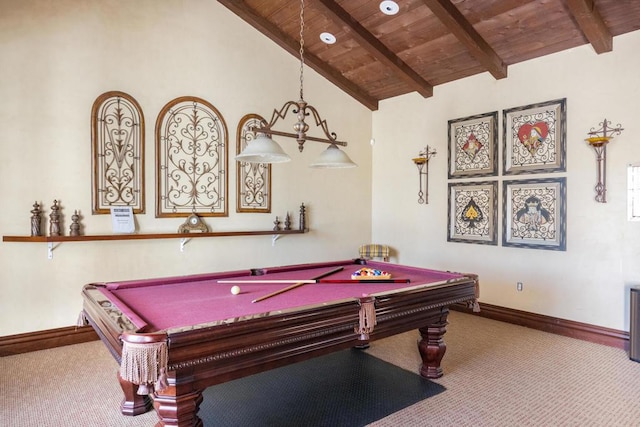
568,328
42,340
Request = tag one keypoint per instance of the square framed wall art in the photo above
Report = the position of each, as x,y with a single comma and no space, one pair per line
535,213
534,138
473,146
473,213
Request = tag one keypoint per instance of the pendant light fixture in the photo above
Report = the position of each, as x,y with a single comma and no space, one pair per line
263,149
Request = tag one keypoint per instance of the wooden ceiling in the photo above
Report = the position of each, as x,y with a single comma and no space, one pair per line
431,42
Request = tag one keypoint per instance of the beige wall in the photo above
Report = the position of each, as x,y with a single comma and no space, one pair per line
587,283
58,57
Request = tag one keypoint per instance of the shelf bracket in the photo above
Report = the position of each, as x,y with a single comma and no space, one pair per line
274,238
183,242
50,248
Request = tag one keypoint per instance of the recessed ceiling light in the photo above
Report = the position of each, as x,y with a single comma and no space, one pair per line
328,38
389,7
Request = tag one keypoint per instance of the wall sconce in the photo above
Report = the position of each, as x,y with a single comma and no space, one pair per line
422,162
599,139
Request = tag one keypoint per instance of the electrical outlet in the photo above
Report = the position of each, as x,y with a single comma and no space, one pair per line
519,286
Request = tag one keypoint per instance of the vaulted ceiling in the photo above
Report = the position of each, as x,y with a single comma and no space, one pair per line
430,42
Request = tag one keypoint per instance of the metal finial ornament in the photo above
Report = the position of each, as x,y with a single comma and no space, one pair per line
54,222
598,139
74,228
287,222
36,220
422,162
303,217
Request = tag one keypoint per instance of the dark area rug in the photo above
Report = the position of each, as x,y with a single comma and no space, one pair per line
346,388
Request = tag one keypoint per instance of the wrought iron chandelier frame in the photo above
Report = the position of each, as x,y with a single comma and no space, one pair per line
301,109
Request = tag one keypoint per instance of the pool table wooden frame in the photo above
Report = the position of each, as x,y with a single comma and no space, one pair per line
200,356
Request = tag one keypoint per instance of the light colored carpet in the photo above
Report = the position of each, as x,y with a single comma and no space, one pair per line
496,374
66,386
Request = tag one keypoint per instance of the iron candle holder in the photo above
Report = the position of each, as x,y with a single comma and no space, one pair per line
422,162
599,139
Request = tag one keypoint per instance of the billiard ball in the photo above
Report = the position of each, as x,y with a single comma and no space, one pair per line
235,290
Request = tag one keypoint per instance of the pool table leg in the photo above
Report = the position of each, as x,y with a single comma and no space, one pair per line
432,347
178,410
133,403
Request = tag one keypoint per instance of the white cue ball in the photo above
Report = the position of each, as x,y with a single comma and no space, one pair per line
235,290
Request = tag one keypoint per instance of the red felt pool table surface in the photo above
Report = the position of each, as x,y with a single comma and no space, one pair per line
199,334
177,302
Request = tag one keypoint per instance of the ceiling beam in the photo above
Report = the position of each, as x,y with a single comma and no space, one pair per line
376,48
455,21
591,24
246,13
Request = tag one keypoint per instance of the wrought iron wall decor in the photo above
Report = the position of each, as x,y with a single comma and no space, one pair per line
422,162
254,179
473,146
191,159
117,157
598,139
534,213
473,213
534,138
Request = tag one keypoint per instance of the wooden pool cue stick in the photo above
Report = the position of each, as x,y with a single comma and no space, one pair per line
268,281
364,281
298,284
321,281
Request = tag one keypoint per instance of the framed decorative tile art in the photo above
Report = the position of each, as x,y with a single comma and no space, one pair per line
473,146
473,213
534,138
534,213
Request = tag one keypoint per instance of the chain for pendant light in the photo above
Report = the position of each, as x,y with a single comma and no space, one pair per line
301,109
301,47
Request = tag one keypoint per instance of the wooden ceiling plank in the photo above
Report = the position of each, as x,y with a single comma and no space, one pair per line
377,49
247,14
592,25
455,21
516,30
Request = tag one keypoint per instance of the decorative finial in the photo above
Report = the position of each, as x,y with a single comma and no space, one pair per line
54,222
36,220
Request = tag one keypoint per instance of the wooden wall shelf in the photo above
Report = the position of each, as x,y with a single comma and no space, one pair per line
87,238
185,237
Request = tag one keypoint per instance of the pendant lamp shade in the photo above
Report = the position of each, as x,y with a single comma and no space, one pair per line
263,150
333,158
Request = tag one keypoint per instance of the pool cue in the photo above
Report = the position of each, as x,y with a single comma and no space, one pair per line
297,284
364,281
268,281
321,281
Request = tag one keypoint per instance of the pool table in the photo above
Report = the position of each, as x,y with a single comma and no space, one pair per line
180,335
